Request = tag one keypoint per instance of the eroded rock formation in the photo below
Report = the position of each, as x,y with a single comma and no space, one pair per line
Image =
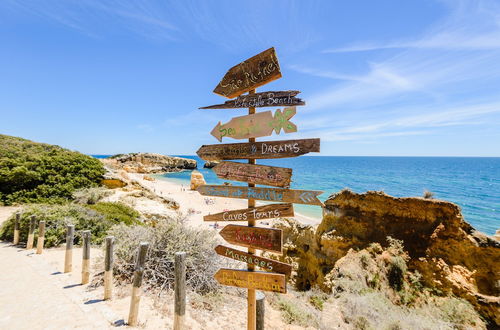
449,253
149,163
210,163
197,180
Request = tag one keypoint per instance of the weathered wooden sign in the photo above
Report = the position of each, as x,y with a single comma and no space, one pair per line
265,263
257,174
258,150
261,100
268,239
265,194
256,125
252,280
255,213
250,74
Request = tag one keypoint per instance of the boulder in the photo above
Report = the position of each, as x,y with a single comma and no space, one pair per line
449,253
197,180
149,163
210,163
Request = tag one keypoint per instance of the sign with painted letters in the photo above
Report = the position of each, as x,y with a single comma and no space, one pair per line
252,280
265,194
256,125
250,74
255,213
268,239
252,173
258,150
261,100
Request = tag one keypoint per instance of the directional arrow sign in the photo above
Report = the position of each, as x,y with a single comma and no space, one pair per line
265,194
252,280
255,213
257,174
250,74
261,100
256,125
259,150
269,264
267,239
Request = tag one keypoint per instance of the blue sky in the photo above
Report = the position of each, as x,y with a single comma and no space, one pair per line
396,78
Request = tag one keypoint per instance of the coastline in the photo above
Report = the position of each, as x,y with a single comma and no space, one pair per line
195,206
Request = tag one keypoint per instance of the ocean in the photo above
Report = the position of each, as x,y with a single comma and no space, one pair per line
470,182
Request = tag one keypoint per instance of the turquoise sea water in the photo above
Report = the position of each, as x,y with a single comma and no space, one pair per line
472,183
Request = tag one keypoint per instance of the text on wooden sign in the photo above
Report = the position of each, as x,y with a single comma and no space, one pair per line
252,280
257,174
255,213
268,239
261,100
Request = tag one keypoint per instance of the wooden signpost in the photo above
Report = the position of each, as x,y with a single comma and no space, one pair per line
258,150
242,78
263,194
267,239
256,125
252,280
261,100
258,174
250,74
254,213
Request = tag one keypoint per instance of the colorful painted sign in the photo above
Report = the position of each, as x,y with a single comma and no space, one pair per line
252,173
252,280
265,194
255,213
250,74
259,150
261,100
268,239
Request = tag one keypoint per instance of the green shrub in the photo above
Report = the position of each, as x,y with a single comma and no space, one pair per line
117,212
38,172
57,217
292,313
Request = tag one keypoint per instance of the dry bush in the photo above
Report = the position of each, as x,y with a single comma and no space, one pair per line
166,238
90,196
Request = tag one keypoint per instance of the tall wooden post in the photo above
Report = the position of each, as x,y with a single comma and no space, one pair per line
16,229
68,258
260,297
86,257
108,268
180,290
252,312
41,237
31,233
136,286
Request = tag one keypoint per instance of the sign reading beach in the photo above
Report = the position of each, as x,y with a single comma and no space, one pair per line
261,100
252,280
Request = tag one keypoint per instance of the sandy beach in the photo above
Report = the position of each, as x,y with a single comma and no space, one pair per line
194,206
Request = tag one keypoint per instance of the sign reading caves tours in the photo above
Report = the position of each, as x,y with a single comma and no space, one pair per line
242,78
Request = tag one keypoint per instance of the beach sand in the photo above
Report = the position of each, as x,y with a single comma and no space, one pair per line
195,206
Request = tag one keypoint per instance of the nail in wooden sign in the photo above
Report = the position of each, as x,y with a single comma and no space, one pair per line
259,150
250,74
257,174
267,239
255,213
261,100
265,263
251,280
256,125
264,194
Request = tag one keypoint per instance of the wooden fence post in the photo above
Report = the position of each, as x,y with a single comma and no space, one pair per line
31,233
68,260
180,290
108,268
86,257
16,228
136,286
261,298
41,237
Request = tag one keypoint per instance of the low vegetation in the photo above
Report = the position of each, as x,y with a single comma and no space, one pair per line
42,173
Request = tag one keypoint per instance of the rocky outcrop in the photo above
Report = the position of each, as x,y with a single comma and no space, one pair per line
451,256
197,180
210,163
149,163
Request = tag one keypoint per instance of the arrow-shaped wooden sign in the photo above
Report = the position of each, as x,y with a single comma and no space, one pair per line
259,150
264,263
261,100
268,239
256,125
264,194
257,174
252,280
255,213
250,74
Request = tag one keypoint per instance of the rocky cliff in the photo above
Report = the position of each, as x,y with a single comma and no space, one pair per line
149,163
450,255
